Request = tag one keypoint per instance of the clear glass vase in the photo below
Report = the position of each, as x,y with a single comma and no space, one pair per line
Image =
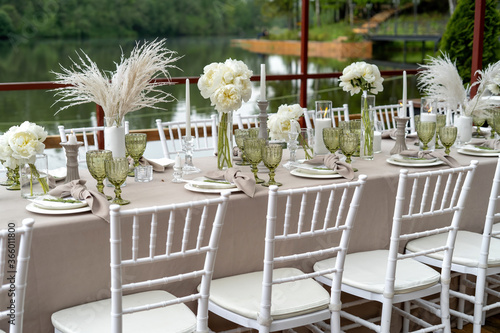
225,141
367,125
114,136
34,177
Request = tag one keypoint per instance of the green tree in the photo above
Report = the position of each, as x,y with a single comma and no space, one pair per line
6,26
458,37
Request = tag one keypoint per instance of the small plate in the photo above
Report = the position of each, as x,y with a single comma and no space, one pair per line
475,153
207,183
414,165
34,209
58,174
413,160
44,202
305,174
480,150
164,162
190,187
314,169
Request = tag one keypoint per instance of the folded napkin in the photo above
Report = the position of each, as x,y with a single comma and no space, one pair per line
450,161
98,203
144,161
490,143
243,181
388,134
333,162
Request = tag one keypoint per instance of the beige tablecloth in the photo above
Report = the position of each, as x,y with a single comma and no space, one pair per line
70,253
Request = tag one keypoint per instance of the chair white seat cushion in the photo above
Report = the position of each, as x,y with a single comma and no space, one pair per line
496,228
241,294
367,271
467,248
95,316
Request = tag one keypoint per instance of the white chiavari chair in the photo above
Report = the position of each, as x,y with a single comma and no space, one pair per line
17,242
248,121
387,114
342,113
475,255
391,277
283,297
86,132
177,236
204,134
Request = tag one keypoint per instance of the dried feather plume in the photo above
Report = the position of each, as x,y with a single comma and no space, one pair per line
129,88
440,80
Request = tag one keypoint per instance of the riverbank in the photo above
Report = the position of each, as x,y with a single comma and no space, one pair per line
337,49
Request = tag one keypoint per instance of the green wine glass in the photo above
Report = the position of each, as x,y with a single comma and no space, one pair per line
440,122
253,132
349,142
135,143
253,150
426,131
331,138
448,135
478,121
271,156
496,120
239,136
117,171
491,124
95,164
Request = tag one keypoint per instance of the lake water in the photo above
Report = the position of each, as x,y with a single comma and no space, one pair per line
36,61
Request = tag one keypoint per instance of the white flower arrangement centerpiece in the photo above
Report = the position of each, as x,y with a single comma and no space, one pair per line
129,88
228,86
19,146
362,77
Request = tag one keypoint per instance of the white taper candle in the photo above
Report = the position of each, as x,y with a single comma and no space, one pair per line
262,82
188,110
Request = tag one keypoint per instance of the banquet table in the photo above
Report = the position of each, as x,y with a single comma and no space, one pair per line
70,253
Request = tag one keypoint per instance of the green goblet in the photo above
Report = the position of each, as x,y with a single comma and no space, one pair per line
116,171
331,138
253,150
448,135
349,142
240,135
253,132
491,123
271,156
440,122
354,126
95,164
496,120
426,131
478,121
135,143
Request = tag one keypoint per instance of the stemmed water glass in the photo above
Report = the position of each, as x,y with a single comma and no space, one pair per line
440,122
448,135
426,131
240,135
292,144
496,120
331,138
116,172
271,156
135,143
349,142
95,164
253,150
478,121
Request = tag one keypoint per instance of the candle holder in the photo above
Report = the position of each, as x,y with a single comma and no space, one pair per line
71,150
400,144
187,147
178,175
263,119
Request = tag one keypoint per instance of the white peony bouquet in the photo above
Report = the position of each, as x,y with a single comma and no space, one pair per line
360,76
285,120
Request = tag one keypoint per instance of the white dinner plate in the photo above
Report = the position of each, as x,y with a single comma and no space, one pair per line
414,165
479,150
190,187
58,174
34,209
412,160
315,169
204,182
164,162
475,153
45,202
305,174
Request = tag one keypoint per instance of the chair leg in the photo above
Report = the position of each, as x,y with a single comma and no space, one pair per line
406,321
479,301
445,307
461,302
385,322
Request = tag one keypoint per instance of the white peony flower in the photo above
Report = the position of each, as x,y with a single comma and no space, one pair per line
26,141
360,76
226,99
291,111
279,126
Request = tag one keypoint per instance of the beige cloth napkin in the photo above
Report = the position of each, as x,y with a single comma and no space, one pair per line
333,162
144,161
243,181
450,161
490,143
77,189
388,134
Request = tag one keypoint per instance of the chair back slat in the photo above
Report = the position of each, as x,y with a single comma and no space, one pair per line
173,226
387,114
341,113
247,121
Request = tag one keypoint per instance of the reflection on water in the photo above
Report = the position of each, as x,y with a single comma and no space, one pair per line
34,62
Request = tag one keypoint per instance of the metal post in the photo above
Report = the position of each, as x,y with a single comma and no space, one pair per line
100,122
304,40
477,46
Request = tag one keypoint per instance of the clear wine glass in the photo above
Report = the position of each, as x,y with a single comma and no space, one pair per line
135,143
271,156
448,135
331,138
349,142
95,164
239,136
116,172
426,131
253,150
292,144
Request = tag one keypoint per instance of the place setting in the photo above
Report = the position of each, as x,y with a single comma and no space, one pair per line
51,205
